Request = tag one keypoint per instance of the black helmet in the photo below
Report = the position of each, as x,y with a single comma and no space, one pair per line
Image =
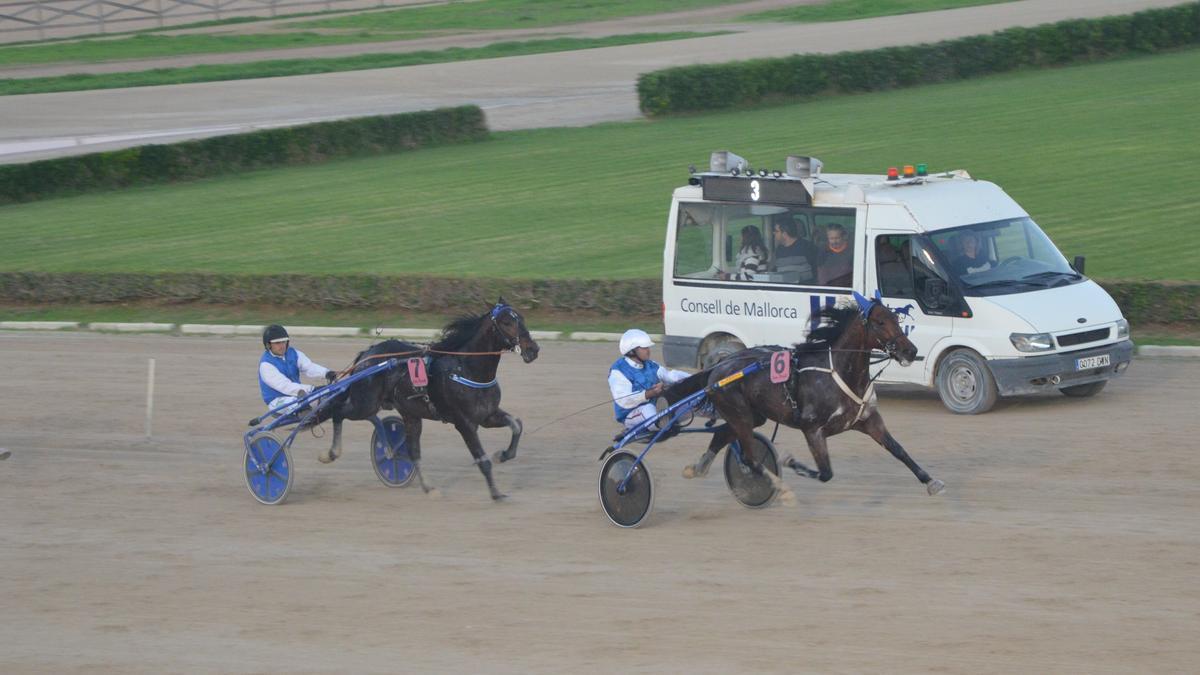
272,333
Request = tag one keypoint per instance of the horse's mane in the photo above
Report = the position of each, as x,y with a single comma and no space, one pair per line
459,332
833,322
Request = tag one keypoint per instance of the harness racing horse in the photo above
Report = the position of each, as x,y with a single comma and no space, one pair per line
461,389
829,390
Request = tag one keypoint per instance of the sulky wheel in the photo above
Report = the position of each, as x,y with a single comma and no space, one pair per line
390,459
753,489
268,469
626,505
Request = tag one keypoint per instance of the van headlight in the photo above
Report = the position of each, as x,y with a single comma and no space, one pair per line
1122,328
1032,342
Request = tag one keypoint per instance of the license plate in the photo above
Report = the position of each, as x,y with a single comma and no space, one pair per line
1092,362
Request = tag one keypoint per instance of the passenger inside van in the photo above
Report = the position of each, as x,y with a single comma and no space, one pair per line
795,258
836,266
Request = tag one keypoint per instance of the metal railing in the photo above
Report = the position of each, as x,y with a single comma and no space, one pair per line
39,19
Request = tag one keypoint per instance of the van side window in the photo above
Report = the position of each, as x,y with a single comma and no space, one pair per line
694,241
893,266
834,240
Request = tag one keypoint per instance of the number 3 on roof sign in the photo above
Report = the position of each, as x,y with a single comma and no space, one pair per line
754,194
781,367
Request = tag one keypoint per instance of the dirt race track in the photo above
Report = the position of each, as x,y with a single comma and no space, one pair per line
1066,541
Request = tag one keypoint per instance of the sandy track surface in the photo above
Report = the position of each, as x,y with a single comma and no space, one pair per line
562,89
1066,540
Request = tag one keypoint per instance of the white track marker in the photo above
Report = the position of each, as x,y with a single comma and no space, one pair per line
150,399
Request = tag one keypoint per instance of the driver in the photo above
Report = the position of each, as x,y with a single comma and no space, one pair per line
973,259
635,381
280,368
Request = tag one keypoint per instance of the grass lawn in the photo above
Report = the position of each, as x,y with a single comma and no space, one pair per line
846,10
398,24
463,15
1097,154
287,67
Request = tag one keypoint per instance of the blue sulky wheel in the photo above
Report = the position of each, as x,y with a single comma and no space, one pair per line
626,507
752,489
268,469
390,460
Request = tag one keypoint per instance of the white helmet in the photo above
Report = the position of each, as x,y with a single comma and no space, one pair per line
634,338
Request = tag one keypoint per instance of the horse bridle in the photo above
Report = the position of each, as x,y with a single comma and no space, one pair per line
888,347
510,342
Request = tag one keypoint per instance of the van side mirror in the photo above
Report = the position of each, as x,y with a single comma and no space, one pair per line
1078,265
936,295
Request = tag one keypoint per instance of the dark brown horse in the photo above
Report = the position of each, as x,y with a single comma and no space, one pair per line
461,388
829,390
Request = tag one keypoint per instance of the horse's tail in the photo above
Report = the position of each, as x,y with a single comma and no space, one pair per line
686,387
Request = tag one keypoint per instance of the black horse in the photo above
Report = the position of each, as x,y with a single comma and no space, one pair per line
829,390
461,388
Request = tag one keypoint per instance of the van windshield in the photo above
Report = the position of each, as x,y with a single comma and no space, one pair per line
1003,257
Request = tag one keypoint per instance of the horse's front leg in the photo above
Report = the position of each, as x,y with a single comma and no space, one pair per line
470,435
873,426
820,453
335,449
501,419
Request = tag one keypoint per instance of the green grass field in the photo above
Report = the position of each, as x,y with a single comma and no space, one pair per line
505,14
399,24
1097,154
288,67
847,10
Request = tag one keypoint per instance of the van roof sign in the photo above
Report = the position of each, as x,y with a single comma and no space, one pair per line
730,179
754,189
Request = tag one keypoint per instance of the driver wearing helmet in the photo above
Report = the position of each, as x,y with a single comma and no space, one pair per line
280,368
635,381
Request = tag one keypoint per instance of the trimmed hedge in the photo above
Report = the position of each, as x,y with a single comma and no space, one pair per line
1141,302
743,83
289,146
417,294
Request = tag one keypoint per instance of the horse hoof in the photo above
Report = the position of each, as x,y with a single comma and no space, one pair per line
326,458
935,486
500,457
787,498
499,497
433,493
689,471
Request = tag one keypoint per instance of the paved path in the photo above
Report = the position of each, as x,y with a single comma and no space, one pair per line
563,89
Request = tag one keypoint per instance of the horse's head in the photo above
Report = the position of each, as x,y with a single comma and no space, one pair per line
883,331
511,331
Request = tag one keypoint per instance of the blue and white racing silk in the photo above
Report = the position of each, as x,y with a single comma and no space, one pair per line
279,376
628,381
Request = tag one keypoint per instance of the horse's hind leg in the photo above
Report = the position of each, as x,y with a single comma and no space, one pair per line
501,419
874,427
335,448
412,436
720,439
471,437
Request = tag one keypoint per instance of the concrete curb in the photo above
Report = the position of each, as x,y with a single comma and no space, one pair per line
1148,351
1152,351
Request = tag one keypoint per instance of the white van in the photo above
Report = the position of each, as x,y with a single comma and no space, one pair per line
751,254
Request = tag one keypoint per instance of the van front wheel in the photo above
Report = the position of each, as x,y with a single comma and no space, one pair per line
719,348
965,383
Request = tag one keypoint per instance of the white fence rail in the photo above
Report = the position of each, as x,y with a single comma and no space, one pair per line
40,19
